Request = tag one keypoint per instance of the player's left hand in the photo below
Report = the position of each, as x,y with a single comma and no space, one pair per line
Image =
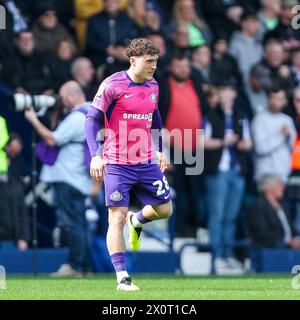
162,162
30,114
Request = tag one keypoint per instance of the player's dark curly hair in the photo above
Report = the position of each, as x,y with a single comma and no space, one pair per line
140,46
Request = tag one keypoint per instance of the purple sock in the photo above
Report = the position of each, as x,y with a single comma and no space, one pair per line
141,219
118,261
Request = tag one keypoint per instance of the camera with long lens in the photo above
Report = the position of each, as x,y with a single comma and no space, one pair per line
40,103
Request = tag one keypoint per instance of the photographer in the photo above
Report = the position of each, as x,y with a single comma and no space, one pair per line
69,177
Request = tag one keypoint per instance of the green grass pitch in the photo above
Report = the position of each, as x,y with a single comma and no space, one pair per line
153,287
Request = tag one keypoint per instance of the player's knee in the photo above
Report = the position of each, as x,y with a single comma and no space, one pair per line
169,213
117,219
165,211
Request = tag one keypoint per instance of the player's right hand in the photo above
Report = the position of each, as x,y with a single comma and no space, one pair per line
97,168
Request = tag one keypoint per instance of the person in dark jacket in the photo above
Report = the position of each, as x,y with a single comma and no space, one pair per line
269,221
16,20
47,30
223,64
182,105
227,143
27,70
285,31
60,62
107,33
224,16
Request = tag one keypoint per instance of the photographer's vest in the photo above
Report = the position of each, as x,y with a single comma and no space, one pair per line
3,140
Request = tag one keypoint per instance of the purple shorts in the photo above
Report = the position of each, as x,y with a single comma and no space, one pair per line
145,180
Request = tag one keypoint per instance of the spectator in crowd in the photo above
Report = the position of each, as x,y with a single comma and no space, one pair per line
295,66
284,32
60,62
198,30
48,32
201,61
179,40
83,72
146,20
256,92
176,90
227,143
293,187
84,9
273,135
272,70
223,64
212,97
27,69
268,218
224,16
268,17
15,22
155,15
163,58
167,6
106,34
243,45
69,177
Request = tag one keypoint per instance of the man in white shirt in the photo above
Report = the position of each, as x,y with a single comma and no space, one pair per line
273,137
69,177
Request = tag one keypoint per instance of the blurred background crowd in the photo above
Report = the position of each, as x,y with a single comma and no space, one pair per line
229,67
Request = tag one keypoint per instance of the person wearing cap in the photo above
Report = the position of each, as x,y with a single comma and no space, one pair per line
48,31
227,143
259,78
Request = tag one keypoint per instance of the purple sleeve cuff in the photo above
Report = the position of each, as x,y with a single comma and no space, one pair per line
92,127
157,132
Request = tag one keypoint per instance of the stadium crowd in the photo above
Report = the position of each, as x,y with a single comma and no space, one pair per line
229,67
